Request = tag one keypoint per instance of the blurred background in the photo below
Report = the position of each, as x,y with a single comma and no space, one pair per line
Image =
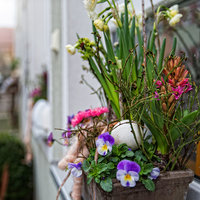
40,85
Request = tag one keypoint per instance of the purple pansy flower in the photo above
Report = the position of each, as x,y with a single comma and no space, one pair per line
104,143
128,173
50,140
76,169
154,173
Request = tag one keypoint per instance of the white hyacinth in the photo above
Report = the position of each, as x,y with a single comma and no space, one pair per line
70,49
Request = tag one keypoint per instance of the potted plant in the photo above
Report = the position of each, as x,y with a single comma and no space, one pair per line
144,136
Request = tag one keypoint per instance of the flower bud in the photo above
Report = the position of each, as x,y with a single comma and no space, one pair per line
105,28
99,24
70,49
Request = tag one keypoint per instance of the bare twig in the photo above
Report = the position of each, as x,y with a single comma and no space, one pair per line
59,190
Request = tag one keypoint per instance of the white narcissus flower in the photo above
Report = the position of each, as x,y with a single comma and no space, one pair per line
174,20
90,5
173,10
99,24
70,49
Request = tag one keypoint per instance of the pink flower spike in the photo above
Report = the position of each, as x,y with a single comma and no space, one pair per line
159,84
162,79
156,96
183,82
189,88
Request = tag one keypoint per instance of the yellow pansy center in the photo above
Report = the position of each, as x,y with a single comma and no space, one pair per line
104,147
127,177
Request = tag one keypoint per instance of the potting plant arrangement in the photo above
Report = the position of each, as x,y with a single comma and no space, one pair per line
137,145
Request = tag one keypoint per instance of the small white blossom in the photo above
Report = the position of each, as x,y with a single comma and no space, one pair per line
174,20
70,49
90,5
173,10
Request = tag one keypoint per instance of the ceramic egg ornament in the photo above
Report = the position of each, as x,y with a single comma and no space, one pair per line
122,133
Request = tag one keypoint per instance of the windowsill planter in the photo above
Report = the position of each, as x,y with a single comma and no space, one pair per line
169,186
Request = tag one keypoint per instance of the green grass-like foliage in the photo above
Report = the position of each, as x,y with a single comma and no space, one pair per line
12,153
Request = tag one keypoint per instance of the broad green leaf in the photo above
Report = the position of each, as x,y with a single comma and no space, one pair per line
106,184
129,154
110,165
162,53
147,168
149,184
86,166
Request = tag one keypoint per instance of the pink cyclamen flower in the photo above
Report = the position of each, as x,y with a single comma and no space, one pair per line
80,116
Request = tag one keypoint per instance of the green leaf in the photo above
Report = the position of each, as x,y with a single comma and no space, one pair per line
97,180
114,159
147,168
139,156
149,184
129,154
101,159
86,166
89,179
106,184
132,32
123,155
162,53
102,167
173,47
110,165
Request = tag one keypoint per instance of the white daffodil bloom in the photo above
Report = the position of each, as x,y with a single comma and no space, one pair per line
174,20
173,10
70,49
99,24
90,5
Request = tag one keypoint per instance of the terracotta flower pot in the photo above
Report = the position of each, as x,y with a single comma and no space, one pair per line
169,186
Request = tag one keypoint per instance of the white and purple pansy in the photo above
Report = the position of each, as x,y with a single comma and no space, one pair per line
104,143
154,173
128,173
76,169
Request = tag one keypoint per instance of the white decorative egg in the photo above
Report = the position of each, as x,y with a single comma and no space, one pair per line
122,133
